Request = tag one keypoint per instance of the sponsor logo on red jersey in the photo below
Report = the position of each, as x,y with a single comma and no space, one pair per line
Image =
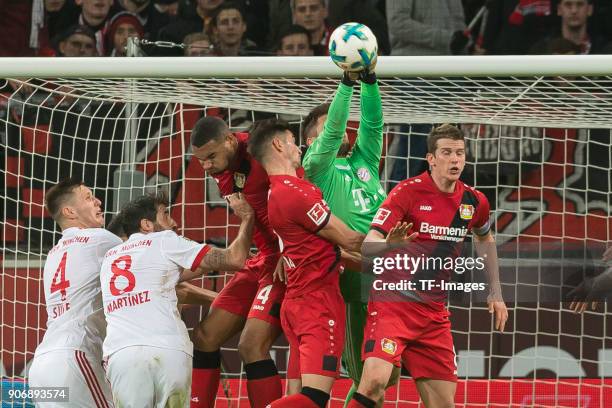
388,346
466,211
381,216
317,214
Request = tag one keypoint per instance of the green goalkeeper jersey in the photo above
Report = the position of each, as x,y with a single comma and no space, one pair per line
351,186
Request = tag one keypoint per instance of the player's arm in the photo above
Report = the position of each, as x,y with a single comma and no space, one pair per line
233,257
486,249
189,294
593,289
323,151
336,232
370,133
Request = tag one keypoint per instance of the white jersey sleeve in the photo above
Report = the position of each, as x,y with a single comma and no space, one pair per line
139,279
182,251
71,280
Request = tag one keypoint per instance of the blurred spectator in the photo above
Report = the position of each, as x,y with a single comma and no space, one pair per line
295,41
514,26
15,27
169,7
77,41
574,27
149,14
197,45
193,17
60,14
95,15
228,27
122,26
562,46
279,18
256,14
426,27
367,12
421,27
311,15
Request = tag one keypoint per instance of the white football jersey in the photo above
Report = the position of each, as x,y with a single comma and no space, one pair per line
72,291
139,279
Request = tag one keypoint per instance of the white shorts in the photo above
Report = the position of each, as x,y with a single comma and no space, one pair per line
81,373
150,377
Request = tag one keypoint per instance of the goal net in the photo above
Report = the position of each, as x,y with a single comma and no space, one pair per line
539,147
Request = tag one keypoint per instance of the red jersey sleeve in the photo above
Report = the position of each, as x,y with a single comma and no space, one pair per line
393,209
481,223
310,212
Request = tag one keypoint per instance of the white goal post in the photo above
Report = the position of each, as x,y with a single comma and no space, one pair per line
539,139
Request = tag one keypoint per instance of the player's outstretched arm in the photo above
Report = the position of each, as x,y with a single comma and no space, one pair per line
370,133
323,151
336,232
486,249
189,294
233,257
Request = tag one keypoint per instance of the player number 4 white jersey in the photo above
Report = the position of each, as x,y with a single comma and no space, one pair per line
72,291
138,281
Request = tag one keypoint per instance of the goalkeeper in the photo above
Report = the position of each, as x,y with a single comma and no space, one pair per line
351,186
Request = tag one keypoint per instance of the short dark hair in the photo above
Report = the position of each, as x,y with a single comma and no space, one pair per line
292,30
143,207
57,195
261,134
206,129
115,225
310,121
228,5
445,131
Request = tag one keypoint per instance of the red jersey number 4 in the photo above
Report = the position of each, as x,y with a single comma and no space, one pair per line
59,281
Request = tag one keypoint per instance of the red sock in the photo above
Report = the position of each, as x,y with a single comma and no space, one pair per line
205,378
294,401
354,404
263,383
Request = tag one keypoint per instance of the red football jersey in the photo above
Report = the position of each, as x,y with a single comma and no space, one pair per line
442,221
247,176
297,212
435,215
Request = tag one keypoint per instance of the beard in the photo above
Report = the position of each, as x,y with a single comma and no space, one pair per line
344,149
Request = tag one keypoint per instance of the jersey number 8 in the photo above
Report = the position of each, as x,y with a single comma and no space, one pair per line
125,272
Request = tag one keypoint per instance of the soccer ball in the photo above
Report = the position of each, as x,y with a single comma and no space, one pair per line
353,47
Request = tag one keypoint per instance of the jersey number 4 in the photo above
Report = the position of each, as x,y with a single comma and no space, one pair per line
124,272
59,281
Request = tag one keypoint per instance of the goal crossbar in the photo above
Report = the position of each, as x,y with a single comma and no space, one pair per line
539,91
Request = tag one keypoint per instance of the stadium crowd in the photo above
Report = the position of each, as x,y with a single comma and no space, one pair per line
302,27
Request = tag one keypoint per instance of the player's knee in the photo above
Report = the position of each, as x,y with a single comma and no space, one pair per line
253,349
373,389
205,340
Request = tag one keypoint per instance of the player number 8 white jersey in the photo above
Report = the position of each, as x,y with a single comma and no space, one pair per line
138,281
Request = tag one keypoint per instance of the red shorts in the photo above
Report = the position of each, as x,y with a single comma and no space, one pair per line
314,325
251,298
412,333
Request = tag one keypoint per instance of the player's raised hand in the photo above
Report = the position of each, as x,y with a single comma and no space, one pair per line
584,295
239,204
280,273
501,314
400,233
